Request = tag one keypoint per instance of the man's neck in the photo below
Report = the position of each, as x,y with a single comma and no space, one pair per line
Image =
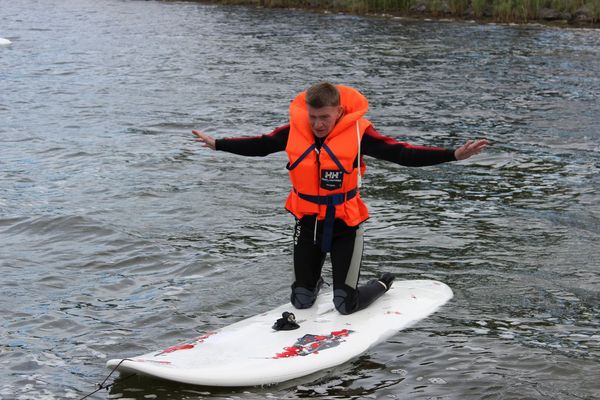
319,141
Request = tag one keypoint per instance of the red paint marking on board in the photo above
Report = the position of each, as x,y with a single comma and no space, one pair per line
313,344
187,346
178,347
289,352
342,333
153,361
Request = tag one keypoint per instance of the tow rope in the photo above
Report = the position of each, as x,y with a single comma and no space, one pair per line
100,386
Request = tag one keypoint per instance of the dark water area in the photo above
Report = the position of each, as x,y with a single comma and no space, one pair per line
120,235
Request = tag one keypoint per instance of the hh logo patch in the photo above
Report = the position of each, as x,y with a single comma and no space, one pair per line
331,179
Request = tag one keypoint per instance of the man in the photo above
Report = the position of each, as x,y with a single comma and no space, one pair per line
325,140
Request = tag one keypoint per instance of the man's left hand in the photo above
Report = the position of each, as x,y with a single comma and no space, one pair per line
470,148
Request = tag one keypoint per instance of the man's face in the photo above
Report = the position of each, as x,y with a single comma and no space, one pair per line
323,119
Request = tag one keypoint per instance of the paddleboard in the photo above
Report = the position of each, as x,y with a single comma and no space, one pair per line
250,352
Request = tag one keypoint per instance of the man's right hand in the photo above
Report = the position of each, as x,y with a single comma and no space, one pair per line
208,140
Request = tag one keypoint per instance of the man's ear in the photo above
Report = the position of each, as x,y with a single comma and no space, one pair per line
341,111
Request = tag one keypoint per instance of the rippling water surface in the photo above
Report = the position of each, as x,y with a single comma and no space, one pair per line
120,235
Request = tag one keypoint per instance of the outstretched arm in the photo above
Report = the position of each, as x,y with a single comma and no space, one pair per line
470,149
253,146
385,148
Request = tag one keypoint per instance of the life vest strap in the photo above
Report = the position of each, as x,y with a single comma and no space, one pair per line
330,201
302,157
334,158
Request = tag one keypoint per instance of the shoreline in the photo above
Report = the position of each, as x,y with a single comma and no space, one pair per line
566,13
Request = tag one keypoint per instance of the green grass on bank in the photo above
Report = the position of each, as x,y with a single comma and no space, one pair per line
498,10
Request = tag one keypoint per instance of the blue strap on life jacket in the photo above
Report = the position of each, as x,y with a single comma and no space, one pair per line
302,157
334,158
330,201
311,148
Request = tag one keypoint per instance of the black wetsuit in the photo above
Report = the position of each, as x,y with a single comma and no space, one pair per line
347,244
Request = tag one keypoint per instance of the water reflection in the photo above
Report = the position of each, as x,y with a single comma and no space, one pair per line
120,235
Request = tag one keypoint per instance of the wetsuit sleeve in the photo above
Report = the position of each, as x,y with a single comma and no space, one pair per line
256,146
386,148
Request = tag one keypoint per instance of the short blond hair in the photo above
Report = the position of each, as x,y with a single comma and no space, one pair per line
322,94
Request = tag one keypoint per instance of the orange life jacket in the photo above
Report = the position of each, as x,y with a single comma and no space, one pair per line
327,179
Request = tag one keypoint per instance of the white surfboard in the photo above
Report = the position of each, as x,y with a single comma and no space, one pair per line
250,352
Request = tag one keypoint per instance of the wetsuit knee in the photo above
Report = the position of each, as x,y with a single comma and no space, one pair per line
304,298
344,302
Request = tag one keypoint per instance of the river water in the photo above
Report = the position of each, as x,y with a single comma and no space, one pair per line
120,235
